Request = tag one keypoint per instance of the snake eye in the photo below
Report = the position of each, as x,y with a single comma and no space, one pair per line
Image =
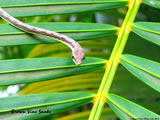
74,60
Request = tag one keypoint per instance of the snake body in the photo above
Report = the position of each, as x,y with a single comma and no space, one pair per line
77,50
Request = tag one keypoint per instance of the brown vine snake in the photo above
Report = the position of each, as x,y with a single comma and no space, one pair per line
77,50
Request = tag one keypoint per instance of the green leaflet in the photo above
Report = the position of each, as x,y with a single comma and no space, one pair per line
10,35
55,109
43,75
146,70
38,100
61,9
61,27
152,3
55,102
32,64
40,69
127,110
148,30
20,3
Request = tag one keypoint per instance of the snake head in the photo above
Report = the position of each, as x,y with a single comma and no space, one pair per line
78,55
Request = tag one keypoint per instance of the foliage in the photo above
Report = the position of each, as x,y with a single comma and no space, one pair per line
52,79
